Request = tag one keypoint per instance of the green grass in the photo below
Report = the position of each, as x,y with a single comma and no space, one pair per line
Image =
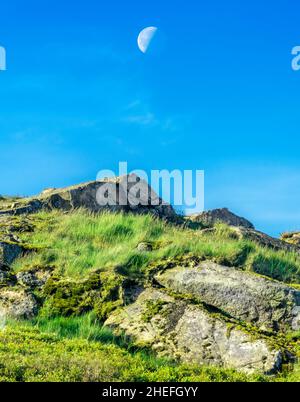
27,354
79,349
78,242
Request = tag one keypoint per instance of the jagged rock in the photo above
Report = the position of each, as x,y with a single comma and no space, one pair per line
246,296
17,303
209,218
9,252
291,238
191,334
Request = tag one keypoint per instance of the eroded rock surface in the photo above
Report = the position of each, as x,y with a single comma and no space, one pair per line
266,303
189,333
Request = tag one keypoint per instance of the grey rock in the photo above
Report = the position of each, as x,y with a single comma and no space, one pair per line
17,303
246,296
190,334
209,218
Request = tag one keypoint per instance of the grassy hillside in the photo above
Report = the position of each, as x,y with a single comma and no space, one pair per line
93,259
78,242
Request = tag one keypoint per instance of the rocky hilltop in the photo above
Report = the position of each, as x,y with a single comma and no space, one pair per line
85,196
207,290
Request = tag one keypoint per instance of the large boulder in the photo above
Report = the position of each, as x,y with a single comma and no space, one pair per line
189,333
246,296
209,218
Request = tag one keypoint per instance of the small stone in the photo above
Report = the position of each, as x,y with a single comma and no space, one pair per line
144,246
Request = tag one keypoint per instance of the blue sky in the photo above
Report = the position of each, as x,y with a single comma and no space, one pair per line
216,92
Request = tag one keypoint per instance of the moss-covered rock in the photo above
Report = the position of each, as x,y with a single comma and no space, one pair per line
101,291
191,334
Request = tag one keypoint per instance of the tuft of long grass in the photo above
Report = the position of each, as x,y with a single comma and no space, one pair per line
80,241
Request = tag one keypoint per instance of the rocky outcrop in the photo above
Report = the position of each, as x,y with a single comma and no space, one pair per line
245,296
173,327
22,208
291,238
209,218
126,194
264,240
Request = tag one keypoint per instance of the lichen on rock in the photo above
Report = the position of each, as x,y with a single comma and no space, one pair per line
189,333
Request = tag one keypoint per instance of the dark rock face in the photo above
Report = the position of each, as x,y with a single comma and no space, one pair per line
260,301
209,218
189,333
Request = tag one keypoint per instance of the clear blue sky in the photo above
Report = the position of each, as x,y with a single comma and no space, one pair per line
217,93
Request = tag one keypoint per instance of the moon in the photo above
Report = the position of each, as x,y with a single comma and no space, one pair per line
145,37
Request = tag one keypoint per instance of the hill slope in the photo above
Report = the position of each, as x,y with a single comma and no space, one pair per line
132,297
